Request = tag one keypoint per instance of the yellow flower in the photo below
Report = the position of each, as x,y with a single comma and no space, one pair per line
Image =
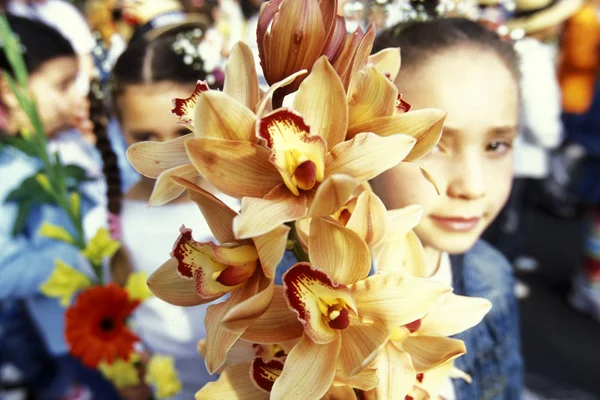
64,282
163,376
121,373
56,232
76,202
100,246
136,286
44,182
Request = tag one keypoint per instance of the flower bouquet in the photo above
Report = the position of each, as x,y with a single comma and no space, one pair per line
299,156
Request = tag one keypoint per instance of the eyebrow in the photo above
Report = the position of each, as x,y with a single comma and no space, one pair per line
502,130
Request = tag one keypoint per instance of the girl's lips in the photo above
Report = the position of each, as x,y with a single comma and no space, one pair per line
456,224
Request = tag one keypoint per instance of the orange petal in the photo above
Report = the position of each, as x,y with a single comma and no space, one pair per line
369,219
239,317
260,216
165,189
220,116
323,307
396,299
184,108
217,214
368,155
271,247
361,55
339,251
296,151
332,194
166,284
238,353
354,54
336,39
364,380
153,158
340,393
277,325
241,81
216,270
268,10
308,371
321,100
234,383
430,352
264,374
360,345
454,315
405,254
387,61
396,374
236,168
403,220
266,103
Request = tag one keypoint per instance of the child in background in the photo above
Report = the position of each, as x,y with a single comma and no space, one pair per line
458,66
148,75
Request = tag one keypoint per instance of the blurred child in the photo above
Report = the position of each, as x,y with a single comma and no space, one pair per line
148,75
458,66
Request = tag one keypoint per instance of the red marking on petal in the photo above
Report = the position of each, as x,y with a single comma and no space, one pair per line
181,250
420,377
402,105
264,374
407,397
306,175
341,321
279,119
184,108
233,276
413,326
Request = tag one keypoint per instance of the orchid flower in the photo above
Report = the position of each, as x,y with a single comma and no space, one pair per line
199,273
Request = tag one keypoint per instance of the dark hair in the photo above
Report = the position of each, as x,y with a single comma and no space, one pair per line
249,9
420,40
40,43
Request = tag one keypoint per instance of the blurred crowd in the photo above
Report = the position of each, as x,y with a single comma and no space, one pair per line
104,73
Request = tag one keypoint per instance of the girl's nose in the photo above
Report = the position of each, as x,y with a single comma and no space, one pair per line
468,182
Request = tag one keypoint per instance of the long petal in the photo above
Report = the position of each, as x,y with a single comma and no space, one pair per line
265,18
238,353
321,100
241,81
387,61
361,55
368,155
429,352
360,345
369,219
277,325
260,216
221,116
265,105
396,375
239,317
405,254
395,299
308,371
152,158
403,220
168,286
331,195
271,247
339,251
340,393
233,384
336,38
454,315
364,380
217,214
165,189
236,168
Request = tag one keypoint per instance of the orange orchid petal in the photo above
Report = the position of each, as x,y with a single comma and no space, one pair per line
369,219
360,345
396,374
223,117
297,153
396,299
260,216
239,317
323,307
387,61
216,270
361,55
403,220
336,38
266,102
321,100
268,10
354,54
429,352
329,11
217,214
339,251
165,189
405,254
340,393
238,353
308,371
153,158
277,325
236,168
332,194
431,179
184,108
454,315
241,81
364,380
264,374
234,383
368,155
166,284
271,247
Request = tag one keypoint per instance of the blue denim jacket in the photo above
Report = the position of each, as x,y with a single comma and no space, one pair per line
493,359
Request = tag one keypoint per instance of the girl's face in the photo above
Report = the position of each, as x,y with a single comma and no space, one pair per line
472,165
144,111
53,87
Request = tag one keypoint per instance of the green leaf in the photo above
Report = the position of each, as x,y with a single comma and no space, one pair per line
12,49
23,212
20,144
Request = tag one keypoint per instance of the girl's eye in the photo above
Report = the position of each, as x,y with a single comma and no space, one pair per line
499,147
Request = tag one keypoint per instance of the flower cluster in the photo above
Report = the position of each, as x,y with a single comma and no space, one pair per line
301,172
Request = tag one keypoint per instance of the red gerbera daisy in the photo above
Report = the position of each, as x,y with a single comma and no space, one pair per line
95,325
